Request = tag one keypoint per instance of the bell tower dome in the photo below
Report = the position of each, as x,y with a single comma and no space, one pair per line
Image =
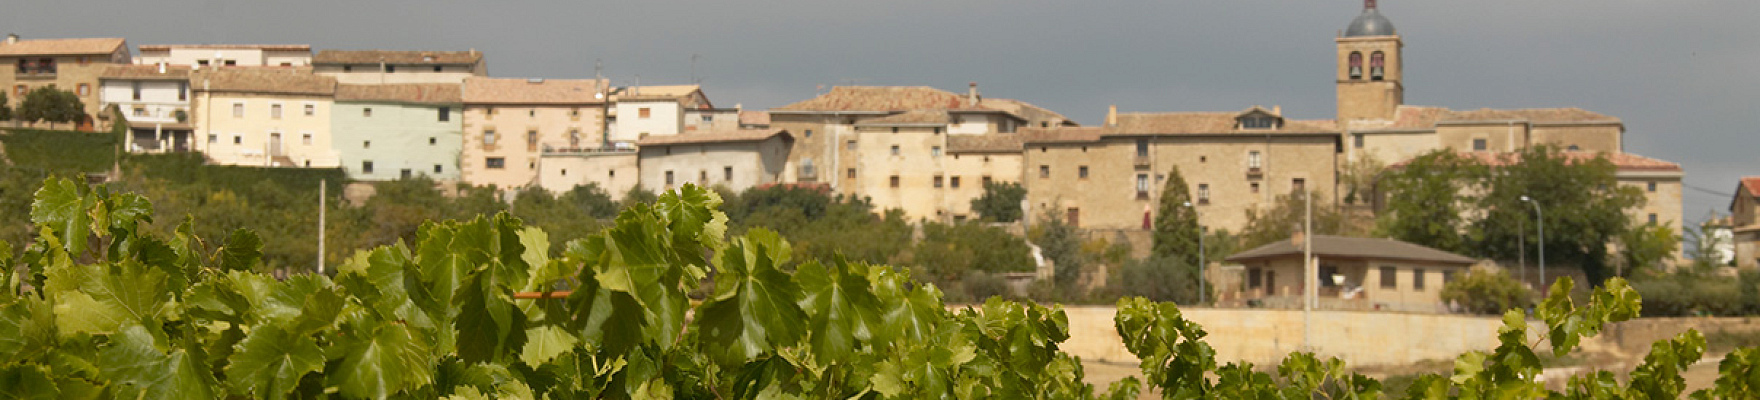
1369,67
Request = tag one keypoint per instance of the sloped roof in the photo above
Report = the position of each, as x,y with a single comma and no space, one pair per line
1207,123
57,47
145,72
1349,247
274,81
993,143
733,136
531,91
420,93
880,98
1061,134
913,117
663,90
396,57
265,47
1622,161
754,118
1533,115
1753,185
1027,111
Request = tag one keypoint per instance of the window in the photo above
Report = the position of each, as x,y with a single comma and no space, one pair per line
366,167
938,181
727,174
311,109
532,113
1075,217
935,151
437,168
231,63
1650,186
238,110
1258,122
366,144
489,137
1479,144
1203,193
1357,141
1253,162
1375,63
1044,171
1253,278
531,140
437,68
20,91
1447,277
644,112
1298,185
938,130
404,173
1326,274
432,141
849,145
953,181
893,181
85,89
1389,277
367,112
142,112
390,68
1142,186
305,139
894,129
1356,66
895,150
137,90
1573,148
1652,218
183,90
985,180
213,138
1082,172
702,176
668,178
345,68
275,111
1418,279
1255,187
237,139
574,114
495,163
1142,147
445,114
809,133
851,174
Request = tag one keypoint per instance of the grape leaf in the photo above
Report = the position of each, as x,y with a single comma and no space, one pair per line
841,310
381,362
271,360
60,206
27,381
754,309
132,358
243,251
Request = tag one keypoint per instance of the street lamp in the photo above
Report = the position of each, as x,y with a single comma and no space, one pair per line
1201,264
1540,222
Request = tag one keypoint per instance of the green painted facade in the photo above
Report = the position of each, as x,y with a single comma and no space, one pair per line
381,140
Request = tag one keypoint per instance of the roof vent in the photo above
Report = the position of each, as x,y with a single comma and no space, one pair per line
11,38
535,80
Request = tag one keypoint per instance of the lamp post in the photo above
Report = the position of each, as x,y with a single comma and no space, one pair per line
1201,264
1540,222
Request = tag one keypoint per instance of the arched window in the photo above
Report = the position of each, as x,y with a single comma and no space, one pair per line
1356,65
1376,61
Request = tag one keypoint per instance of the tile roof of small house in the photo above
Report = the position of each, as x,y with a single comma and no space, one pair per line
264,47
992,143
531,91
396,57
145,72
1327,246
59,47
733,136
1622,161
754,118
258,80
418,93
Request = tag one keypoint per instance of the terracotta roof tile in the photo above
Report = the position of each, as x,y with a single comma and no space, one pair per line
993,143
1033,114
734,136
259,80
1623,161
1061,134
1534,115
880,98
1339,246
913,117
396,57
531,91
420,93
1207,123
1753,185
754,118
145,72
49,47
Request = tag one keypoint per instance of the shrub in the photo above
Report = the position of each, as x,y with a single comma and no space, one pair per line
1158,278
1484,291
1689,294
982,286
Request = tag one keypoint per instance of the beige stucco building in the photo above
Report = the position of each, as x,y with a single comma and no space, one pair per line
73,65
512,125
374,67
1353,274
265,117
736,160
894,145
155,99
1744,210
226,55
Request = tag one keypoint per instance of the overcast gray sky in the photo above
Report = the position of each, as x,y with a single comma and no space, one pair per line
1684,75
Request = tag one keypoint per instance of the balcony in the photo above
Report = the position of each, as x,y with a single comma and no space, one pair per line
1141,161
550,151
1255,172
808,174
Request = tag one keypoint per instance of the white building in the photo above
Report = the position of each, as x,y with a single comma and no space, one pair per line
378,67
155,99
227,55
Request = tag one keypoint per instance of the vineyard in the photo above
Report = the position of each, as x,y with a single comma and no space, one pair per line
662,304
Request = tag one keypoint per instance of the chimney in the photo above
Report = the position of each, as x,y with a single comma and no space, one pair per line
972,95
1368,4
11,38
1112,115
1277,110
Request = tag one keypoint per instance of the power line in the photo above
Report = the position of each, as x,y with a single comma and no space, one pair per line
1706,191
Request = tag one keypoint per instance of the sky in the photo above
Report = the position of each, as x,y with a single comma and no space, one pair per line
1683,75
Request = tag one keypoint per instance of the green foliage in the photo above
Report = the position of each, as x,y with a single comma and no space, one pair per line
564,218
1001,202
5,108
52,105
1689,293
1058,243
1646,248
1158,278
1176,221
60,152
1286,215
1583,206
1424,204
1483,291
948,252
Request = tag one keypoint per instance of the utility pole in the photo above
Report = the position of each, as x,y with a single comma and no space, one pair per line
1308,273
322,186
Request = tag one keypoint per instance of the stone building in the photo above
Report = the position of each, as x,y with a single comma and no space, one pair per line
72,65
1744,212
512,125
226,55
374,67
399,131
736,160
264,117
1353,274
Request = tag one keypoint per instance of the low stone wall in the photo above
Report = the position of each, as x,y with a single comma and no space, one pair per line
1264,337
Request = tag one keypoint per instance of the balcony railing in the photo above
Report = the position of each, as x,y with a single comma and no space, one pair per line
1141,162
586,151
1255,171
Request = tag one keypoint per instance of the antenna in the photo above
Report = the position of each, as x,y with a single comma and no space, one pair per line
694,79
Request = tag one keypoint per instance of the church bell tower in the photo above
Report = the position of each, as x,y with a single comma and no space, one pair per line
1369,68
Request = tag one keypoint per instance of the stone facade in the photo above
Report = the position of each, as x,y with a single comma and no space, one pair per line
735,160
509,124
1744,212
378,67
616,171
73,65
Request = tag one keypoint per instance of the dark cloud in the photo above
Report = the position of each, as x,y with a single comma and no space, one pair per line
1681,74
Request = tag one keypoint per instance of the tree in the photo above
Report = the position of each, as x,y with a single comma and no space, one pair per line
950,251
1359,179
1176,222
1483,291
1059,243
1646,247
1425,202
1001,202
48,104
592,199
1285,217
1582,203
1159,277
637,194
5,108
